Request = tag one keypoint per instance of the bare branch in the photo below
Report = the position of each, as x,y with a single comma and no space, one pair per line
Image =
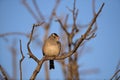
37,69
54,11
93,7
13,50
13,33
91,36
30,10
29,50
115,74
117,68
4,35
62,26
3,72
21,60
94,13
38,10
93,21
66,19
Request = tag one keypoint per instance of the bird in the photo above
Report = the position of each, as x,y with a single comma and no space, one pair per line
51,48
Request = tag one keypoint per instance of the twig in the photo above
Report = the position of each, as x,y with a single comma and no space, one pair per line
3,72
30,10
38,10
53,13
13,33
118,78
94,13
14,59
89,71
29,50
62,26
115,74
75,14
93,7
66,19
3,35
21,60
93,21
117,68
91,36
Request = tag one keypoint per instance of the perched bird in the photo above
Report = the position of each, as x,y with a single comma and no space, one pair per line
51,48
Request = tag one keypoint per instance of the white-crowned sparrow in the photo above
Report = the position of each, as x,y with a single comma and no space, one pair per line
51,48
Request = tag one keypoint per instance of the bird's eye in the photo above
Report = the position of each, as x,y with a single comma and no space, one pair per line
53,36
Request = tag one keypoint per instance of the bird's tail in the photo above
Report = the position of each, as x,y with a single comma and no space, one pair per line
51,62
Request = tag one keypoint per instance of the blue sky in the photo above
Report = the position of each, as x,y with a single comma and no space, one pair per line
105,53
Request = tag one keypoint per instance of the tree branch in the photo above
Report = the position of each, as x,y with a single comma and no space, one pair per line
38,10
13,33
30,10
3,72
115,74
62,26
21,60
28,44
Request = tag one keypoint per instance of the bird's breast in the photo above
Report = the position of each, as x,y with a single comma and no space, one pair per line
51,49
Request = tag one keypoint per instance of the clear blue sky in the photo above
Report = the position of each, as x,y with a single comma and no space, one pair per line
105,53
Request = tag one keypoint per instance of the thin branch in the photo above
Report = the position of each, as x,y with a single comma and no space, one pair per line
62,26
21,60
91,36
3,72
13,33
93,21
53,13
93,7
66,19
118,78
74,13
38,10
115,74
94,13
30,10
29,50
117,68
4,35
13,50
